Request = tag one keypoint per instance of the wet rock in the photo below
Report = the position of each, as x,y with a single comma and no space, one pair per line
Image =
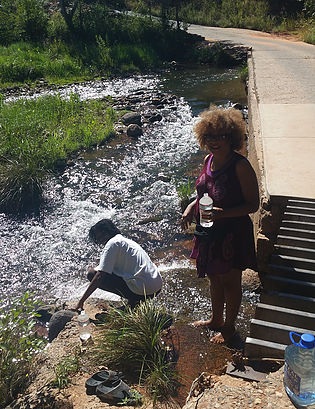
58,321
155,101
134,130
132,118
155,118
164,178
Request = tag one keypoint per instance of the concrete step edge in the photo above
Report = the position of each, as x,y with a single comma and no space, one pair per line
268,344
302,201
294,230
291,269
291,258
289,295
281,327
300,208
298,239
284,310
312,216
290,281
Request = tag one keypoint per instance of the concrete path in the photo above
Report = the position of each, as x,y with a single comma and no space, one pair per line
284,76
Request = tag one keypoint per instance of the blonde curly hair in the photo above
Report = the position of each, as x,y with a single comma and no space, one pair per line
217,122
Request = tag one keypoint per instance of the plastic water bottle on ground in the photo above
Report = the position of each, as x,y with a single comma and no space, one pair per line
299,370
205,205
84,326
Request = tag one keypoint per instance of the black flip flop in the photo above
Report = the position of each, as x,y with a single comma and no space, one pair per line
117,392
105,377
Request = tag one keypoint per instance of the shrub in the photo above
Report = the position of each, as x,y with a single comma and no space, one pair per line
31,20
130,340
18,345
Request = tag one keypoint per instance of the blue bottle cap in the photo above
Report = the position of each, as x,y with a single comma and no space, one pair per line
307,341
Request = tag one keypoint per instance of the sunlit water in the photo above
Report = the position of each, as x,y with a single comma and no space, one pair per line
49,253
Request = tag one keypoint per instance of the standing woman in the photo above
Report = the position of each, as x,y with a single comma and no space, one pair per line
227,248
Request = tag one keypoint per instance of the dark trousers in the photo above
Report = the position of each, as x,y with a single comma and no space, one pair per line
116,285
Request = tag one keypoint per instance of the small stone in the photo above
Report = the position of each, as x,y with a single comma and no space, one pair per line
279,394
257,401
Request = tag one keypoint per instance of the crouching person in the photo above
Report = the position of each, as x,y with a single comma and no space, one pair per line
124,269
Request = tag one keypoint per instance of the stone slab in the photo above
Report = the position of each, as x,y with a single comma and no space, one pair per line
245,372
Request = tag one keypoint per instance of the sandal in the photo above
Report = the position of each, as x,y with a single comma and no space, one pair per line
100,378
117,392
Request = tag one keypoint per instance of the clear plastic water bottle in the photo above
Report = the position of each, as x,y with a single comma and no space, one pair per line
84,326
205,205
299,370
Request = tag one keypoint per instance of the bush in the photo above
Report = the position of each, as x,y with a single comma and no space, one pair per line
130,340
18,345
31,20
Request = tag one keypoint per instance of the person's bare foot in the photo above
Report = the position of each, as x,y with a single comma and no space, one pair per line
211,324
224,336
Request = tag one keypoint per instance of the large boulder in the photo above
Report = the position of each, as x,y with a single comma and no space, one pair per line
58,321
132,118
134,130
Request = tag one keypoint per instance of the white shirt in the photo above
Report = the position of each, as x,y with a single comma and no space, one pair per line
128,260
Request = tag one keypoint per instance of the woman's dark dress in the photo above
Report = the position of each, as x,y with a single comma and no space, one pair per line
229,243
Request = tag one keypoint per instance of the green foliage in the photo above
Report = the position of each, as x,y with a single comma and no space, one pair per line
31,20
135,399
22,62
37,135
214,54
185,190
244,74
130,340
18,344
307,31
64,369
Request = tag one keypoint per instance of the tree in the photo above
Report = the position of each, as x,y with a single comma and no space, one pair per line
68,8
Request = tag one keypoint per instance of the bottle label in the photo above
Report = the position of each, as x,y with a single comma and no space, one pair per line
291,379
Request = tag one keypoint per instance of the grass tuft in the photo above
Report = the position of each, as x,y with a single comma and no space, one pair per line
130,341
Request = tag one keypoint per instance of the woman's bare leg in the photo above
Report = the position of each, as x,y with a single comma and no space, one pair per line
217,302
232,287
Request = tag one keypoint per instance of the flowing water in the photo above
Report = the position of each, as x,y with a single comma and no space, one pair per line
49,253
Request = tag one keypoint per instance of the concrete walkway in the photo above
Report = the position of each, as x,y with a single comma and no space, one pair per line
284,84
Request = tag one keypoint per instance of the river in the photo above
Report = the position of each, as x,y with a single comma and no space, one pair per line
49,253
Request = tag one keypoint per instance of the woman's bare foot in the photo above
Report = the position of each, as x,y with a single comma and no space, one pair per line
224,336
211,324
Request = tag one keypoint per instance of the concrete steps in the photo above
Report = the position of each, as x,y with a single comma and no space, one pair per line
287,302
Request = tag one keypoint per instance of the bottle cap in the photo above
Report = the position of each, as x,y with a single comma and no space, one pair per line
206,194
307,341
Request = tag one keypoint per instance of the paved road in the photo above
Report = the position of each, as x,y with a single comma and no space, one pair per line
284,74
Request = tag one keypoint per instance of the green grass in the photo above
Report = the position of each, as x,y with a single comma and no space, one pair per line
38,135
130,341
64,369
18,344
26,62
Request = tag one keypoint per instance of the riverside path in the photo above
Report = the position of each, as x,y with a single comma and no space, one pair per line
284,81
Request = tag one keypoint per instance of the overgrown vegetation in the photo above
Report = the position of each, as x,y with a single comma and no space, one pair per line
64,369
18,345
38,136
130,340
80,41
